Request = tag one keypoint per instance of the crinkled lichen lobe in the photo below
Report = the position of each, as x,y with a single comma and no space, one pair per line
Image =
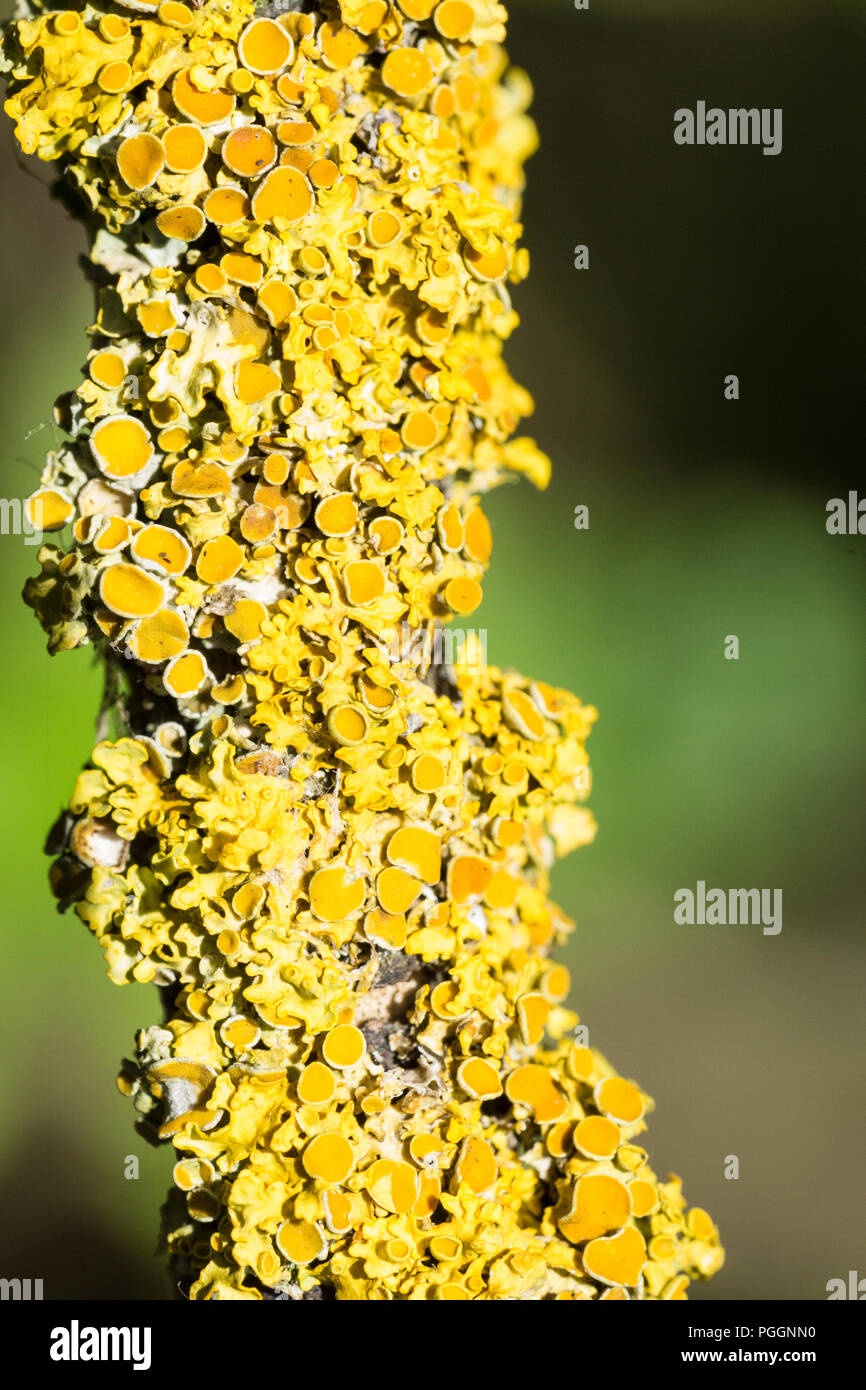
326,844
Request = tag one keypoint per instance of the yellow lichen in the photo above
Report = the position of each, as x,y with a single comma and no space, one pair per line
328,847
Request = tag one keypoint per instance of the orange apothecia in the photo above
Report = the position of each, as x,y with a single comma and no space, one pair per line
328,848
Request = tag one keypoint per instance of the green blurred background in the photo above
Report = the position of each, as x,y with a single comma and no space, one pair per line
706,519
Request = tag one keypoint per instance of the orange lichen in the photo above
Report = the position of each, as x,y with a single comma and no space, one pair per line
121,446
329,1158
326,844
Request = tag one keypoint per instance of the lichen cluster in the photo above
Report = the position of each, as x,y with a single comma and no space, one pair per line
326,844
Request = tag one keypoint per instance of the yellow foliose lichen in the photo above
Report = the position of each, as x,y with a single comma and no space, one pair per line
325,829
